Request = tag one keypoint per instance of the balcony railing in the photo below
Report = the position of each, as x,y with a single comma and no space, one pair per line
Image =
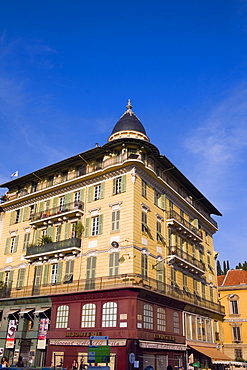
119,281
68,245
185,257
53,214
176,219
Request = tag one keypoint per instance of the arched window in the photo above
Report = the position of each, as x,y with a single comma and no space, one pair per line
147,316
88,315
234,304
175,323
161,319
62,317
109,315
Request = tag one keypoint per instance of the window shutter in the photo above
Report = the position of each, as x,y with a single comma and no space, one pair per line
26,241
82,195
102,190
113,217
163,202
25,211
90,193
20,278
111,264
41,206
10,279
54,203
59,271
50,231
114,190
36,239
20,215
38,274
66,231
123,184
100,224
67,200
45,276
117,225
16,243
69,268
7,244
12,215
87,227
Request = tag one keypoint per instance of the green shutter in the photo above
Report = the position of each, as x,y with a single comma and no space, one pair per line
12,215
69,268
54,203
20,215
26,241
67,200
20,278
102,190
82,195
50,231
16,243
117,225
41,204
37,275
45,275
24,215
7,244
87,227
113,264
59,271
195,223
100,224
90,193
114,190
66,231
36,237
163,202
123,183
10,279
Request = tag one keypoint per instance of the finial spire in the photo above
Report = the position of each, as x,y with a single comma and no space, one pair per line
129,107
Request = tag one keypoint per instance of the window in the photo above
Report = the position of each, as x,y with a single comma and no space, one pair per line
174,278
90,272
144,221
54,269
58,233
211,293
88,315
69,271
17,215
20,278
238,353
115,220
234,310
185,283
95,226
65,175
109,315
171,208
34,187
114,264
203,286
147,316
77,197
62,317
159,235
195,282
81,170
12,245
97,192
31,211
61,204
175,323
50,180
156,197
161,319
144,265
119,185
144,188
236,334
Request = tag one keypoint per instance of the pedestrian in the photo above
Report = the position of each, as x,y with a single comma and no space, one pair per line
20,362
5,362
75,365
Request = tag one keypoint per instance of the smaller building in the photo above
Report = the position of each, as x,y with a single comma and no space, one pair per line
233,295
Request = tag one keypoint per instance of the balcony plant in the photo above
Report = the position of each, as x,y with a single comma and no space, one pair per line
79,228
45,239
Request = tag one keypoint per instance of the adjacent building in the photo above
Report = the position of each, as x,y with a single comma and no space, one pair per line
233,295
114,241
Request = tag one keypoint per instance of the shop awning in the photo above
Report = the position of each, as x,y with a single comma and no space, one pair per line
41,310
213,353
27,310
11,312
234,363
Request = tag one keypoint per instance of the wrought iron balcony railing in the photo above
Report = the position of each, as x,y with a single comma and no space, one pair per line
187,260
119,281
188,228
72,245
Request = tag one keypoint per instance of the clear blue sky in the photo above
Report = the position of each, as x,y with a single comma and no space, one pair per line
67,68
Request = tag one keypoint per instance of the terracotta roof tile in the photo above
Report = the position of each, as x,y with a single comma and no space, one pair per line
220,279
235,277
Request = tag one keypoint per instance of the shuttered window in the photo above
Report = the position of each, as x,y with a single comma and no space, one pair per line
115,225
20,278
114,264
26,241
90,272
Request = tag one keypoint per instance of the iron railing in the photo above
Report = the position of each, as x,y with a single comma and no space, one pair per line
176,216
55,246
174,250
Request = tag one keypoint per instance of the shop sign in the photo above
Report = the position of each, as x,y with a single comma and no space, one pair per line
158,345
10,340
83,333
43,329
170,338
86,342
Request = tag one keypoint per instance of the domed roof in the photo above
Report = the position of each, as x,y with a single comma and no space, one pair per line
129,122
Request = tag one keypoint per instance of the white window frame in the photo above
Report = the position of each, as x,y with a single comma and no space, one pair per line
61,204
88,315
95,226
161,319
176,322
12,244
62,317
97,189
109,315
148,316
53,274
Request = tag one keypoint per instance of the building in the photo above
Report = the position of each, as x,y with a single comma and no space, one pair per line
116,242
233,295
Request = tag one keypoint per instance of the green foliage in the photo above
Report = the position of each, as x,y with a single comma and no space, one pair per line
45,239
79,228
242,266
219,269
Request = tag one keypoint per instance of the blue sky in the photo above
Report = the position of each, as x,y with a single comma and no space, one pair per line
67,69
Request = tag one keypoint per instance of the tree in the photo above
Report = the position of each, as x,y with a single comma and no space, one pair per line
219,269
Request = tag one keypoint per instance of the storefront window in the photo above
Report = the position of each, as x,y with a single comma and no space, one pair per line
109,315
161,319
175,323
147,316
62,317
88,315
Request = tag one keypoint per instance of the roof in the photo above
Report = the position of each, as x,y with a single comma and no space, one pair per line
129,122
220,279
234,277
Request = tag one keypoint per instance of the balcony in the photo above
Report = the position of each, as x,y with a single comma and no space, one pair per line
119,281
184,227
46,251
57,214
186,261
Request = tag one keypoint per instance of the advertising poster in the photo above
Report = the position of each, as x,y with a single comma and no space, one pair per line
43,329
10,340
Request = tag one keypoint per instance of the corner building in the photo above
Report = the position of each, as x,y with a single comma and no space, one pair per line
116,242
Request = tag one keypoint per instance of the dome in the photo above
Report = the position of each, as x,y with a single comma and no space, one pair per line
129,122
